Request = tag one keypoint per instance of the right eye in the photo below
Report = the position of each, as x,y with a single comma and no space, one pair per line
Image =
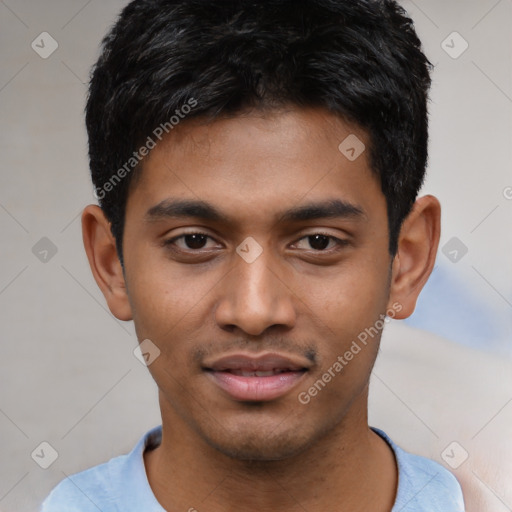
191,242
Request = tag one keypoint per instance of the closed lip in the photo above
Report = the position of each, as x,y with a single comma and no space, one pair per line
262,377
243,362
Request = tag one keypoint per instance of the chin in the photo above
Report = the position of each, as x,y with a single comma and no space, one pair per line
262,443
259,449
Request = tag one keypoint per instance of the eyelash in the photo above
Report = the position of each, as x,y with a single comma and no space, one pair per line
340,242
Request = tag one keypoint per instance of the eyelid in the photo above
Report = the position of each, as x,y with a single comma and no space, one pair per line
168,241
340,242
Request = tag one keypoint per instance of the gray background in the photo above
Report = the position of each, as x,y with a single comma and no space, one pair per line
68,375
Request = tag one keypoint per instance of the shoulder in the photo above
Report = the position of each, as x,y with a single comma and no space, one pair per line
423,484
428,486
113,486
86,491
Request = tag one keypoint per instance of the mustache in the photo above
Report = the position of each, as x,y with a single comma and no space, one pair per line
268,344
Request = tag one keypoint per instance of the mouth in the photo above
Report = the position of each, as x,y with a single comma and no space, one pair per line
247,378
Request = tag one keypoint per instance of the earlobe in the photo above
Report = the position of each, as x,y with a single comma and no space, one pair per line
101,252
417,248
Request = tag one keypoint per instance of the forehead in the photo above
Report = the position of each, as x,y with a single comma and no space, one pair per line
255,164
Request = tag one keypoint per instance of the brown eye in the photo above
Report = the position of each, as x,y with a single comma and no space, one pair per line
320,242
196,241
189,241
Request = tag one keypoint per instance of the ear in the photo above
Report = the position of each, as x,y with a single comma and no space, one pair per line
417,248
100,247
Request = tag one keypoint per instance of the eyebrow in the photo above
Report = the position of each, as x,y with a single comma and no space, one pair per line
185,208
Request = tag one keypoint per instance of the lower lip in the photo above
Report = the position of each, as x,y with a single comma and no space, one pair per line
259,389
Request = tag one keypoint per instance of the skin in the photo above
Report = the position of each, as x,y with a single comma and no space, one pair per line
217,453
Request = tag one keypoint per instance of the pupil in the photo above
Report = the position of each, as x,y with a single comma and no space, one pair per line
317,242
316,238
195,241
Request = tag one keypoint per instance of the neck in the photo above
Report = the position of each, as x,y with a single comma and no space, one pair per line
350,468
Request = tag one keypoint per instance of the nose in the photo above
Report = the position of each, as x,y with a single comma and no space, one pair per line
256,296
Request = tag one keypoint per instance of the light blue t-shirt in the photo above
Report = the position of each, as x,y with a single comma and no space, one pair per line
121,485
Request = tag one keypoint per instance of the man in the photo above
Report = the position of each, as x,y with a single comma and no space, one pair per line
257,166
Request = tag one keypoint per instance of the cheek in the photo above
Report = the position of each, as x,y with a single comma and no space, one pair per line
168,299
349,313
351,299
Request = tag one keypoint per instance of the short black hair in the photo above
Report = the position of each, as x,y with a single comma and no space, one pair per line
165,60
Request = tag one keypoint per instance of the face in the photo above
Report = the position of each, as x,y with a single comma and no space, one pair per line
256,253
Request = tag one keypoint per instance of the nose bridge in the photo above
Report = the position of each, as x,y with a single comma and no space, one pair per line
254,297
255,282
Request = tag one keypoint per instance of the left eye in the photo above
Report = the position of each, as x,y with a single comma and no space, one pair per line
196,241
320,242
